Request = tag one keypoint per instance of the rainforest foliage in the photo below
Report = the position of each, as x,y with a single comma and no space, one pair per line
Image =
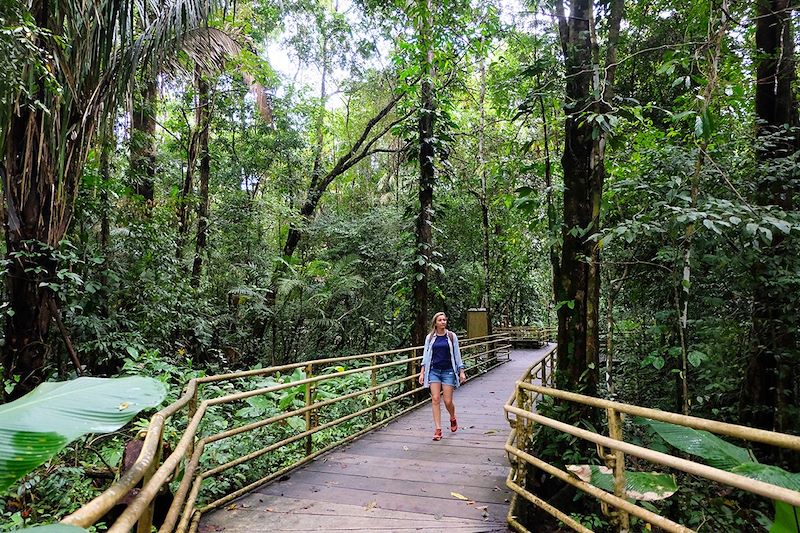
194,186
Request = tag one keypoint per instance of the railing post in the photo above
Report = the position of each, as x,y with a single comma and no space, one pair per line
544,372
309,414
616,461
373,416
145,523
412,369
192,412
525,401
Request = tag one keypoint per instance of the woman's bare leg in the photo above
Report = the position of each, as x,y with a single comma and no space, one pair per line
436,397
448,400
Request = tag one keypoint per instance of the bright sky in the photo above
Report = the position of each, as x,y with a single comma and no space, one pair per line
284,61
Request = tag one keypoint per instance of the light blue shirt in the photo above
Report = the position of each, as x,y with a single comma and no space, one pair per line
455,356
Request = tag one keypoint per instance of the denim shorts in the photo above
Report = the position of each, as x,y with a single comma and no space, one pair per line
445,377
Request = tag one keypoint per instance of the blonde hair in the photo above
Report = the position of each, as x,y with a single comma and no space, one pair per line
433,322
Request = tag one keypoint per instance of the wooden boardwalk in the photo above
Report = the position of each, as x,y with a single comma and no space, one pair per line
396,478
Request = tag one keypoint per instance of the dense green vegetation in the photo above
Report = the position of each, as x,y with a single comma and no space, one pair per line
200,187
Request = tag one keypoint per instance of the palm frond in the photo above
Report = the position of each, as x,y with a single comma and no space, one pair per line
250,292
209,48
287,285
174,23
263,98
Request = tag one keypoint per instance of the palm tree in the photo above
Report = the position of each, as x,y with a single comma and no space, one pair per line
92,53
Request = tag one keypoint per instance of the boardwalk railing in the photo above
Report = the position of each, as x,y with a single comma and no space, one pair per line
389,388
613,448
532,334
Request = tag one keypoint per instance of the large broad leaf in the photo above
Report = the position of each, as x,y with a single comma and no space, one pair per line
726,456
41,423
712,449
643,486
55,528
769,474
787,517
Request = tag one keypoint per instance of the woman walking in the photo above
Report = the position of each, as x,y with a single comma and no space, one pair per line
442,370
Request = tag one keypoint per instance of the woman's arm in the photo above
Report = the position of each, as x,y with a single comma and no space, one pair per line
426,360
457,353
462,377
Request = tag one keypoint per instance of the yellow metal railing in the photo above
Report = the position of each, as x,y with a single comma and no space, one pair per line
395,371
613,448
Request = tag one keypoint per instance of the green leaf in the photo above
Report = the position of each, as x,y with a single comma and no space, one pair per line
710,225
695,357
38,425
786,518
698,126
769,474
782,225
712,449
643,486
296,423
55,528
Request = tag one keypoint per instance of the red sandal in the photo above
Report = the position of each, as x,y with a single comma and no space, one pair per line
437,435
453,425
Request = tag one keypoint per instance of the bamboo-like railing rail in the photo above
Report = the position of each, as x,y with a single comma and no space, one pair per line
479,355
612,450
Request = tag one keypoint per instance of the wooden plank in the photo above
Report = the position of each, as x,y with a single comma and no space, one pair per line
280,505
434,488
488,437
419,441
278,514
482,476
375,498
402,453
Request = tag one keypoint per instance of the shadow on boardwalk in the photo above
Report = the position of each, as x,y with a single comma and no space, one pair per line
396,478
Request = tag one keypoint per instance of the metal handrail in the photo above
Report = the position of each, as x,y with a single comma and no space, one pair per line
612,449
482,354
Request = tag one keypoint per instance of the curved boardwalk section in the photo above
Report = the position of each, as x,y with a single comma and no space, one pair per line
397,478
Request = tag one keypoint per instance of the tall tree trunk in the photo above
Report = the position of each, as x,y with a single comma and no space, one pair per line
203,118
583,163
551,206
578,281
424,234
574,290
143,137
43,155
188,178
484,196
774,314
